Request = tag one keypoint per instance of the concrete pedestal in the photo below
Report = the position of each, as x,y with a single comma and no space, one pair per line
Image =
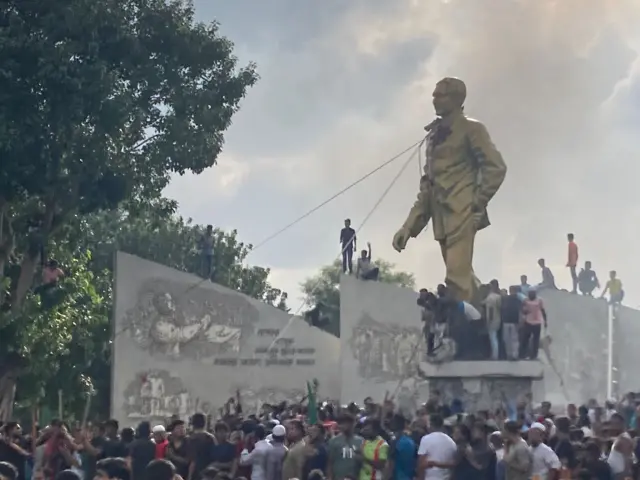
482,385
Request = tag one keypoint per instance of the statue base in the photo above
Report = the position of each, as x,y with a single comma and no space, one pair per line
482,385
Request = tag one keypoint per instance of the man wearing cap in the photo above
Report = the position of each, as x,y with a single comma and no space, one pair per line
546,463
160,437
274,457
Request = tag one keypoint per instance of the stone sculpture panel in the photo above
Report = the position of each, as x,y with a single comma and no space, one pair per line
183,345
374,316
381,342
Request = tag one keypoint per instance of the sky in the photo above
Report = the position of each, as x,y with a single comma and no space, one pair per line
346,85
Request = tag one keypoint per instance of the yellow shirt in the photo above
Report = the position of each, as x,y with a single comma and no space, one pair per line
377,450
615,286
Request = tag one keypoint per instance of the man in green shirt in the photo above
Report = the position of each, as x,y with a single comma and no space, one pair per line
344,451
375,451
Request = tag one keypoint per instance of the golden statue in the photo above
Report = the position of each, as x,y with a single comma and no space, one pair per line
463,171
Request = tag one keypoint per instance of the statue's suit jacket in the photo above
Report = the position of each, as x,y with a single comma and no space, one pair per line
464,170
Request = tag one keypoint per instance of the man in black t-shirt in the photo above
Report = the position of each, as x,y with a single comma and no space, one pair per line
112,447
142,451
348,242
177,451
510,313
10,449
199,447
592,463
561,443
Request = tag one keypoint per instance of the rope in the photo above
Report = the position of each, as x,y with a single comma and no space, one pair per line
333,197
407,373
196,284
317,207
348,244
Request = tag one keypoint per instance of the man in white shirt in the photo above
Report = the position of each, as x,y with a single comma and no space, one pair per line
365,270
256,458
621,457
437,452
546,463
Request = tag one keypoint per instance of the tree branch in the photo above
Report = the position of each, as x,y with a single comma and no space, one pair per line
31,259
142,143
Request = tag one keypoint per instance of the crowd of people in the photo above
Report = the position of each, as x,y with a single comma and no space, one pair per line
504,324
351,442
586,281
372,441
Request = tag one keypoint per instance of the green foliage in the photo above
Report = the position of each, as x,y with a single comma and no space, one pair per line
100,102
325,288
53,323
156,234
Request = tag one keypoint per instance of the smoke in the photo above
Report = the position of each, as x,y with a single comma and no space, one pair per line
557,84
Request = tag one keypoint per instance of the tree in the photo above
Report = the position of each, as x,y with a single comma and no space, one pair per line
324,288
100,102
156,233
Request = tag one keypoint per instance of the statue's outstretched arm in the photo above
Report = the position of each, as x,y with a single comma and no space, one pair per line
492,168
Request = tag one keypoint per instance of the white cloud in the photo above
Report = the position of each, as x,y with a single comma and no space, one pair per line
554,82
195,191
288,280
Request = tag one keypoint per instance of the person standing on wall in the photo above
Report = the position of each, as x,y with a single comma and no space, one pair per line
535,317
348,242
205,245
572,261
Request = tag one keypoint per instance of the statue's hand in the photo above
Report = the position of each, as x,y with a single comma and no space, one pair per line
400,239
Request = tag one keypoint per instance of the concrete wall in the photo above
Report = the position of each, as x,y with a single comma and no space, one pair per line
627,350
183,345
376,319
483,385
380,327
578,328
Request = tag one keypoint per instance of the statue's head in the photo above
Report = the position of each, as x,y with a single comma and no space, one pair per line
449,96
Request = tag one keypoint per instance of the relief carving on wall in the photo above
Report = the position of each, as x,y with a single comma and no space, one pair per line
386,352
199,324
253,399
156,395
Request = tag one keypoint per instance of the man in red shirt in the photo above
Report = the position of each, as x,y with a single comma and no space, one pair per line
160,437
572,261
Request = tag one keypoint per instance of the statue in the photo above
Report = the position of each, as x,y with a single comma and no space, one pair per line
463,171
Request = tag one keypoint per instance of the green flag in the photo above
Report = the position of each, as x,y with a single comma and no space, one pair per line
312,411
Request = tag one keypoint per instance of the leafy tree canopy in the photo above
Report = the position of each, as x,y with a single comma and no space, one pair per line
324,288
157,234
100,102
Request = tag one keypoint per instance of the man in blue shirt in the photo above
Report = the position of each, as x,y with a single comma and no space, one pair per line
402,463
